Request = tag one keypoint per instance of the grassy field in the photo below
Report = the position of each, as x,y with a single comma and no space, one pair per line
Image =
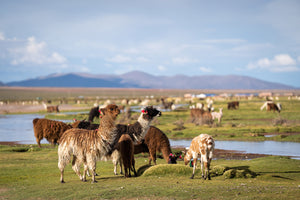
246,123
27,172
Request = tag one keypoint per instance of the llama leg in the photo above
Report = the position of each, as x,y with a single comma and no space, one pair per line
91,163
121,168
133,166
61,166
207,169
76,167
38,141
194,168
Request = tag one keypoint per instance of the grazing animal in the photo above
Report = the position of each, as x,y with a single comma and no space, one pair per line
274,107
200,116
233,105
126,149
265,105
157,141
49,129
94,112
201,145
217,115
87,146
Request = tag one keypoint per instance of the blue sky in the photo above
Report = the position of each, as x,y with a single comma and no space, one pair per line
256,38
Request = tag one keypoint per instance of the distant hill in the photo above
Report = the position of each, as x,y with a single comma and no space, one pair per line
137,79
2,84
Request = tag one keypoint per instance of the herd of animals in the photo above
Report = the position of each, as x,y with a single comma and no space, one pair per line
84,143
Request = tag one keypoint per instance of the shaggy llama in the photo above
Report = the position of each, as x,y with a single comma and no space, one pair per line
87,146
201,145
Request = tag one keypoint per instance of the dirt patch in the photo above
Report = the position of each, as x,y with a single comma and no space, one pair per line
19,108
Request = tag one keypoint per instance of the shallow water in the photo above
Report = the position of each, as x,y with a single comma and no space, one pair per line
19,128
264,147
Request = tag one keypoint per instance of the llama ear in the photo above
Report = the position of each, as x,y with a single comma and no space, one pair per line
102,111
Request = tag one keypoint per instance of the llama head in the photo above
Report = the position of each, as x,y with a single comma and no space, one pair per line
111,110
173,158
149,113
187,156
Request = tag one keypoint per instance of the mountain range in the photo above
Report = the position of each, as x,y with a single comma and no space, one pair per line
138,79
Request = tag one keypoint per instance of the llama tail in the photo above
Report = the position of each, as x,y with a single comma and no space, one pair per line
34,121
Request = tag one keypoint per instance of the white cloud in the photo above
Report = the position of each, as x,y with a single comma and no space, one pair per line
280,63
161,68
183,60
205,69
2,36
35,53
119,59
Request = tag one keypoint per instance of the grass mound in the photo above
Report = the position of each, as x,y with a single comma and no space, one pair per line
235,172
168,170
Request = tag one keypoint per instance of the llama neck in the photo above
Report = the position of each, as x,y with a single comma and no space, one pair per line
145,124
107,129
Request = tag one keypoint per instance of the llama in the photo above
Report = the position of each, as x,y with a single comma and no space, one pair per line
217,115
201,145
265,105
94,112
126,149
49,129
138,130
87,125
87,146
157,141
233,105
200,116
166,105
274,107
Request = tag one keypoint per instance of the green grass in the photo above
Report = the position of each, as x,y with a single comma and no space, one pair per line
34,175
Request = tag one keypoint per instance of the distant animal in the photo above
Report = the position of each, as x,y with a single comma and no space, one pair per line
94,112
275,107
166,105
49,129
217,115
201,145
233,105
88,146
200,116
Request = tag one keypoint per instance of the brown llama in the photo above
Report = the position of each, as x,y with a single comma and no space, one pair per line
87,146
49,129
52,109
94,112
201,145
126,149
274,107
157,141
233,105
200,116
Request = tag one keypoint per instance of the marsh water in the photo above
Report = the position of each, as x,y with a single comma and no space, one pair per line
19,128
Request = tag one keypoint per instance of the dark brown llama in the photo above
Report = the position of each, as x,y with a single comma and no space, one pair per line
126,148
49,129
